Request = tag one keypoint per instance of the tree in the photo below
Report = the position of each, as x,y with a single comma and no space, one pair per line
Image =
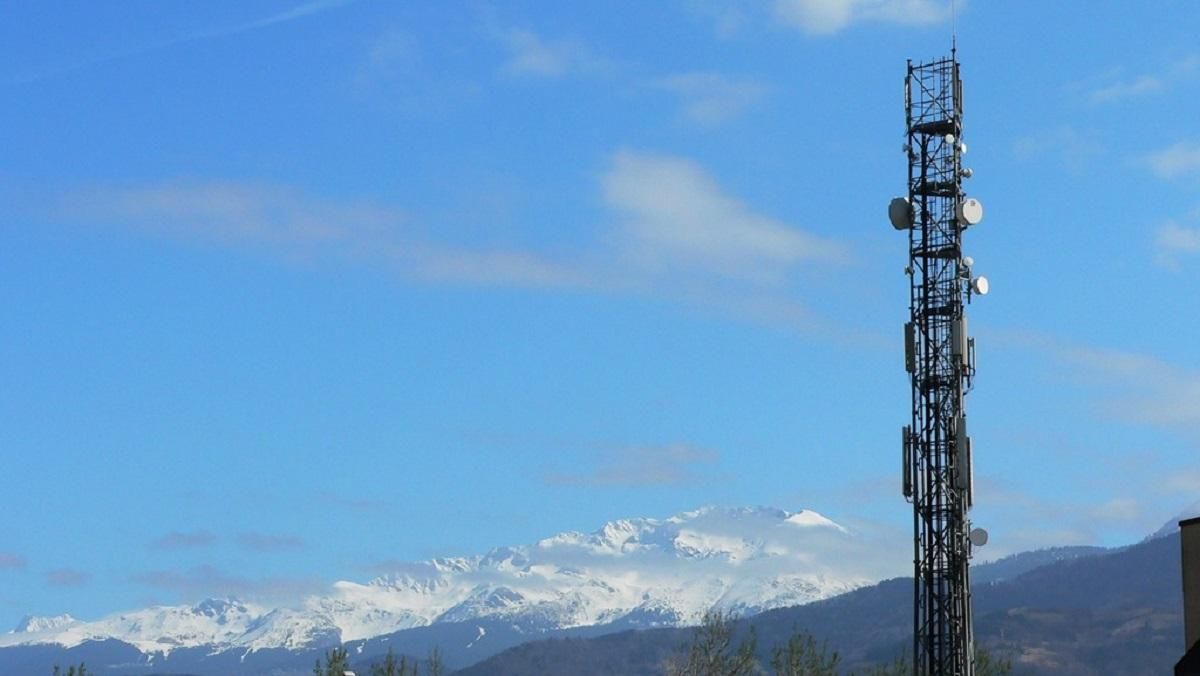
986,664
802,657
436,666
394,667
337,662
71,671
391,666
712,652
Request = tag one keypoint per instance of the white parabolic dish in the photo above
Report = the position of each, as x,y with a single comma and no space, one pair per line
980,286
900,213
970,211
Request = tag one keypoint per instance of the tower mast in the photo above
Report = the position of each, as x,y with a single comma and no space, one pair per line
940,360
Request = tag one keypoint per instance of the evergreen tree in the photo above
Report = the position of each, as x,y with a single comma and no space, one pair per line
436,666
337,662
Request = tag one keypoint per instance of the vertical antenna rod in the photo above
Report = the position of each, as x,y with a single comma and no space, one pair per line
940,360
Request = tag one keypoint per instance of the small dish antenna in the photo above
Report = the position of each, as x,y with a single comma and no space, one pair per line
980,285
900,213
970,211
967,261
979,537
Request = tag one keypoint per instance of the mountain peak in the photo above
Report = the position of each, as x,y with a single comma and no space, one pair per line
31,624
640,571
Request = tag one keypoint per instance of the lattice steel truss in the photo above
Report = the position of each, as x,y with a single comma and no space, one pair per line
940,360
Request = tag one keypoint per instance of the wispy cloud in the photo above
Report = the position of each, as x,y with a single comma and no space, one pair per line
1117,91
1187,482
68,577
207,580
1174,242
284,222
1117,509
727,18
300,11
1179,160
10,561
178,540
1115,88
674,232
530,54
671,465
708,99
676,216
825,17
1074,149
1133,387
268,543
354,504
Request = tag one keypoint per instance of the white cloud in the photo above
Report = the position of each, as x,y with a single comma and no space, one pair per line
1129,89
677,217
532,55
1174,241
287,223
1117,89
1117,509
709,99
1149,390
675,233
825,17
727,18
1179,160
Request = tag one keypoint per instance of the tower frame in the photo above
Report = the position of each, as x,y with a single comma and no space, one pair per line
940,359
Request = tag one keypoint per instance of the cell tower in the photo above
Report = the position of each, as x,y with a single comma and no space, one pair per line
940,359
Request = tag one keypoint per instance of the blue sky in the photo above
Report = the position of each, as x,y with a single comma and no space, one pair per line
295,289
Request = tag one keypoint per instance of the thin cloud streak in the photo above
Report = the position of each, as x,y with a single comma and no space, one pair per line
1116,90
672,465
826,17
12,561
268,543
298,12
178,540
208,581
1177,161
283,222
675,234
1146,390
68,577
710,99
1174,242
532,55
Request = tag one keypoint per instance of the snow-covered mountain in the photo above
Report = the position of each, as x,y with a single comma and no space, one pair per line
636,572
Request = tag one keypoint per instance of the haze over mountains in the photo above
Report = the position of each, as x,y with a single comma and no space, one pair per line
628,573
763,564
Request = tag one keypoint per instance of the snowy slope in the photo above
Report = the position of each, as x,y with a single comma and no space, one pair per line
644,572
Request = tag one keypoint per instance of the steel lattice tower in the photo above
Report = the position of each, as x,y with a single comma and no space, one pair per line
940,358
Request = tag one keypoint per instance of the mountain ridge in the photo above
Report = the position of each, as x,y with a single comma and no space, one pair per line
645,571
